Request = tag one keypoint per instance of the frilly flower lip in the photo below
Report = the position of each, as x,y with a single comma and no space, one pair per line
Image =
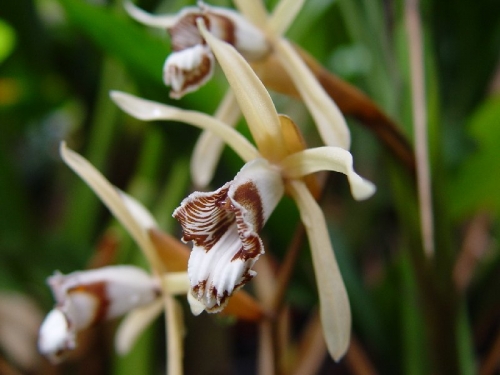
185,71
191,63
223,226
85,298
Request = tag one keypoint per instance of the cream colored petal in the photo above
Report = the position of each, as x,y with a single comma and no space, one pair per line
252,96
328,159
196,306
329,120
209,146
112,198
134,324
56,336
254,11
284,13
176,282
141,215
162,22
335,311
148,111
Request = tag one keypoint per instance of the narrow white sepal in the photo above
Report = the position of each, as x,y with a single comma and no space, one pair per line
283,15
328,159
138,211
110,196
335,311
254,11
134,323
253,98
329,120
148,111
163,22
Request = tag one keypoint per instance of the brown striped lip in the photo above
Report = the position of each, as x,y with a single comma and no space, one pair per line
191,63
88,297
187,70
223,226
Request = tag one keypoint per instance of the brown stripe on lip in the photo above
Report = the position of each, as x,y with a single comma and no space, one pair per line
205,218
185,34
247,195
193,78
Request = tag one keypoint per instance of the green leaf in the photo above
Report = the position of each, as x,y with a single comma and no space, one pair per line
141,52
476,184
7,40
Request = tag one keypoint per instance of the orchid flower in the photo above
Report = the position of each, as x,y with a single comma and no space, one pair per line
87,297
224,224
258,36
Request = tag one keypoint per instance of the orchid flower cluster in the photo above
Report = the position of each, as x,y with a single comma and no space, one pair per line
223,225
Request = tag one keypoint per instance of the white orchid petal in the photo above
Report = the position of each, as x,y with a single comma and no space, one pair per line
56,336
328,159
252,96
141,215
329,120
209,146
134,323
283,15
163,22
223,226
176,282
148,111
196,306
254,11
110,196
335,311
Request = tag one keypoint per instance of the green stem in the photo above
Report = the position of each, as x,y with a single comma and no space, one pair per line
82,201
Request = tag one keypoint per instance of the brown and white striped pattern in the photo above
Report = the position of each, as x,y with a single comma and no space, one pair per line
223,226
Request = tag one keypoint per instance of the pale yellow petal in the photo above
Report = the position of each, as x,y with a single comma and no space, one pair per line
252,96
134,324
328,159
112,198
148,111
335,311
163,22
284,13
254,11
209,146
176,282
329,120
